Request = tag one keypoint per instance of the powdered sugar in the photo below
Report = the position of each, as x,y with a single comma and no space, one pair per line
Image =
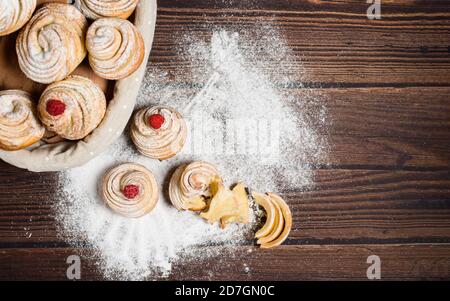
241,117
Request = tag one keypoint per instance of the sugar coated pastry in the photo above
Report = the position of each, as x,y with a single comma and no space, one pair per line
130,190
51,45
72,108
19,123
158,132
116,48
95,9
14,14
190,185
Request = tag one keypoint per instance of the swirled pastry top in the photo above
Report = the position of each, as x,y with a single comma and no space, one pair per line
190,184
130,190
95,9
158,132
72,108
116,48
51,45
14,14
19,124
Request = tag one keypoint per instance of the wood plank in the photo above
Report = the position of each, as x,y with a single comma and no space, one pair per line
413,262
389,127
334,42
345,206
351,206
375,128
289,5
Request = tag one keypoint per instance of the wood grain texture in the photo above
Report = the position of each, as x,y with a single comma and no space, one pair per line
384,188
413,262
334,41
345,206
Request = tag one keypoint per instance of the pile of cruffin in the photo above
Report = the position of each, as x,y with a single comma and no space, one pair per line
199,187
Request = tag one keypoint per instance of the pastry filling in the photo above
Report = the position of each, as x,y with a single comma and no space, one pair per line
156,121
56,107
130,191
227,206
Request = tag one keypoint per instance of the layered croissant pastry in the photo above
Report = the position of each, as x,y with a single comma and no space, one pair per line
72,108
19,124
130,190
14,14
95,9
189,186
158,132
51,45
116,48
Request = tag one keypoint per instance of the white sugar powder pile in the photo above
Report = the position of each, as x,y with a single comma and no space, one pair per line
242,116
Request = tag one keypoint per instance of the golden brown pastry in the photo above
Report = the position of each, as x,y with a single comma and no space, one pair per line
116,48
189,186
14,14
278,222
19,124
158,132
95,9
51,45
130,190
72,108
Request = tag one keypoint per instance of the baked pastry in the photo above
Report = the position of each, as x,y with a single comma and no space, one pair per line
130,190
14,14
95,9
51,45
158,132
19,124
52,138
227,206
116,48
189,186
278,222
72,108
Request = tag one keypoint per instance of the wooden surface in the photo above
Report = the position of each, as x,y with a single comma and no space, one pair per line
384,190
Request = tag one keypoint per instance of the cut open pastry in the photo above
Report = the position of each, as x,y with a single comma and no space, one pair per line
278,220
223,203
189,186
199,187
227,206
242,214
264,201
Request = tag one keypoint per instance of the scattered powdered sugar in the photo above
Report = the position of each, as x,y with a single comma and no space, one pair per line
133,248
241,115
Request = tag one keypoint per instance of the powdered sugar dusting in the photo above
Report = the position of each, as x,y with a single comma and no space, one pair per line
241,115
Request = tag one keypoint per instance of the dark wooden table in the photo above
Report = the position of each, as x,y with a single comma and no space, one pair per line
387,189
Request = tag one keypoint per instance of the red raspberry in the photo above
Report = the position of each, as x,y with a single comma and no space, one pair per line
130,191
56,107
156,121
